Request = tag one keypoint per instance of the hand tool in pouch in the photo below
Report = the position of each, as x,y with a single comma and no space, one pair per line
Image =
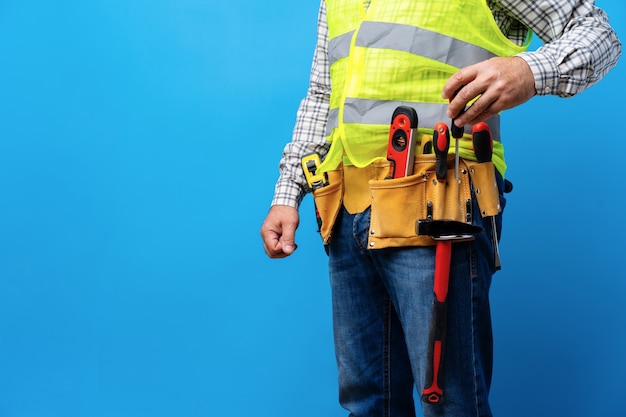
310,163
444,232
483,149
401,145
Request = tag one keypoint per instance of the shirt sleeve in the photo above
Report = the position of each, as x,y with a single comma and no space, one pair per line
580,46
309,131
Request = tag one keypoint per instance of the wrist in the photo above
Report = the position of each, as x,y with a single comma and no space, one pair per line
543,70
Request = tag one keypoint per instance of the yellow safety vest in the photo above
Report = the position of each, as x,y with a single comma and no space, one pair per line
401,52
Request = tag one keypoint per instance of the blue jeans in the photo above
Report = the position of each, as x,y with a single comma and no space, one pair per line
382,302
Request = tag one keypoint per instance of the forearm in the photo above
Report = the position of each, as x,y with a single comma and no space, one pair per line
580,46
309,131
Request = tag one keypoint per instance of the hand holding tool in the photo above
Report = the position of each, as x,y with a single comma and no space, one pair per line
483,149
401,145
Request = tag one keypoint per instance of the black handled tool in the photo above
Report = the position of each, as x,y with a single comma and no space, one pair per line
457,134
483,149
482,142
441,145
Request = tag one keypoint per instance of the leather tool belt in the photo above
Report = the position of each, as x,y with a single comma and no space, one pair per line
396,204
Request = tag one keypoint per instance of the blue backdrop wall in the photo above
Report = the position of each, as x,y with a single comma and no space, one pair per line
139,143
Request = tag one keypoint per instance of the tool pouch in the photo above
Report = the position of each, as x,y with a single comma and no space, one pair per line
398,203
483,177
328,202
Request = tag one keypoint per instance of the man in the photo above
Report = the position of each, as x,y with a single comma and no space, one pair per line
457,61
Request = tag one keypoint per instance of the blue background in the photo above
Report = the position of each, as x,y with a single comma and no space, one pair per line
139,143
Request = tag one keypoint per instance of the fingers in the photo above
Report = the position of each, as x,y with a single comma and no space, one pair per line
272,245
491,86
485,106
470,84
275,243
278,231
459,91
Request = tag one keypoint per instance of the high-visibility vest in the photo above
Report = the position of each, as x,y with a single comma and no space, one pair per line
401,52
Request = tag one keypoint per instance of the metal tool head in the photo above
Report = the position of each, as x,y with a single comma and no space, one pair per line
446,229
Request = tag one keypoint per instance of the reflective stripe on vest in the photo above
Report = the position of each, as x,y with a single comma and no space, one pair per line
409,39
372,112
339,47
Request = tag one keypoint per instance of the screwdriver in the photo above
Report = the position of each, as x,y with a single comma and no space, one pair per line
457,133
483,149
441,145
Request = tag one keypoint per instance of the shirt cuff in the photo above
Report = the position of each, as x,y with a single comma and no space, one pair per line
544,70
287,193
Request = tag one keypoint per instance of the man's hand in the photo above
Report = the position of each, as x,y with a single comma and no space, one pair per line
501,83
278,231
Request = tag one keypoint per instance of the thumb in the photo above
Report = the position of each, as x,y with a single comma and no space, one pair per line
287,239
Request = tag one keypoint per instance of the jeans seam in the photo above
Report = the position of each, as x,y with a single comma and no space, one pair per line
356,233
474,363
473,275
387,358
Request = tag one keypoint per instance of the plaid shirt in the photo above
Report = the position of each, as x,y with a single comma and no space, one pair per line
579,48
